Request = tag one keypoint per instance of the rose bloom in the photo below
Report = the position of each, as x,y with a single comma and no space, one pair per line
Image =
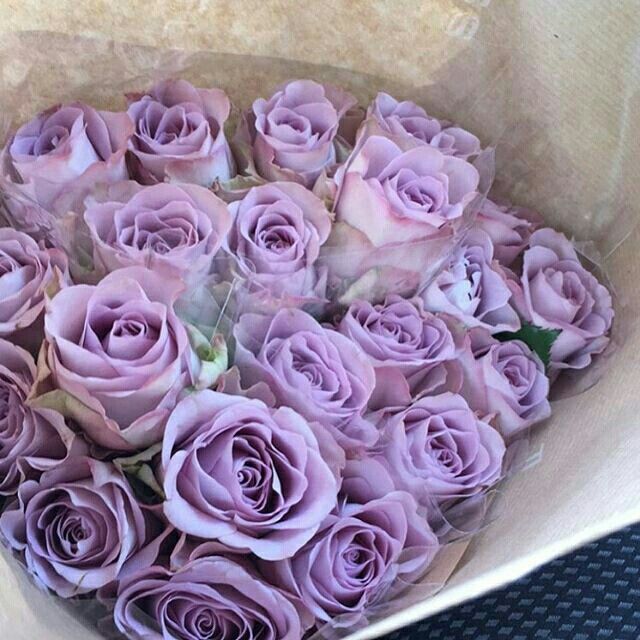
558,293
375,537
273,487
413,351
26,273
291,136
508,380
406,118
179,134
54,160
209,597
118,357
437,449
474,288
79,527
509,229
171,228
317,371
275,241
31,439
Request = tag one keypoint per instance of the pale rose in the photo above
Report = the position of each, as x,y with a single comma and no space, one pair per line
27,272
508,227
118,357
169,228
291,136
474,288
53,161
179,134
317,371
31,440
274,244
406,118
558,293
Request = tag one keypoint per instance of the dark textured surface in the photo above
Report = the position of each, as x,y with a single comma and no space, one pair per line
593,593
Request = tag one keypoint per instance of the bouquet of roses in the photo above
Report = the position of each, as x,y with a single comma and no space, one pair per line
259,368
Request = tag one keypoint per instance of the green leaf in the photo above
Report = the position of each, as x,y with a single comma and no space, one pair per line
536,338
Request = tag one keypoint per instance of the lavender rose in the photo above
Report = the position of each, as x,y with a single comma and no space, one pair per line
413,352
474,288
375,538
55,159
207,598
79,527
175,229
26,273
316,371
277,233
31,440
508,227
273,487
509,381
407,118
179,134
558,293
437,449
291,136
118,357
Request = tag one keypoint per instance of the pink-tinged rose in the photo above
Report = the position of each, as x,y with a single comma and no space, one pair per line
52,162
292,135
413,352
169,228
406,118
509,229
437,449
118,357
212,597
27,273
317,371
558,293
179,134
508,380
31,440
474,288
275,241
373,540
80,528
273,486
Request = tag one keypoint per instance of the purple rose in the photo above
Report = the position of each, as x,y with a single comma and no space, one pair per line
251,477
118,357
79,527
413,352
509,381
508,227
396,212
208,598
52,162
474,288
316,371
26,273
275,240
558,293
438,449
179,134
291,136
373,539
176,229
408,119
31,440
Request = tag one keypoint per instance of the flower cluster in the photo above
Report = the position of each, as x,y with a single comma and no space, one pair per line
248,379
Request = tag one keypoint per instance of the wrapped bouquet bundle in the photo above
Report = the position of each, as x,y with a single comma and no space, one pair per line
269,357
